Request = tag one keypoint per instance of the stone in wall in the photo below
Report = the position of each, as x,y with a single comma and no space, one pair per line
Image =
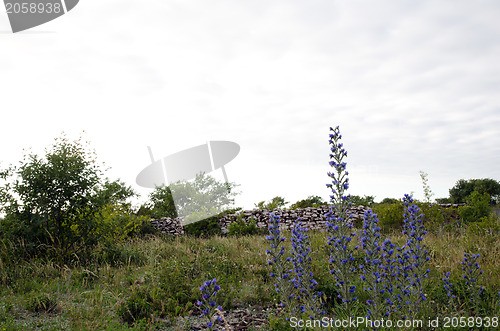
169,225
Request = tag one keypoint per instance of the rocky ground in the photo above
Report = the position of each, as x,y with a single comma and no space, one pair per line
250,318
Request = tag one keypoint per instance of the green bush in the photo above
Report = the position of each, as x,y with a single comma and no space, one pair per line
390,216
207,227
53,202
464,189
242,228
367,200
488,225
478,206
204,228
116,224
434,217
311,201
389,200
145,228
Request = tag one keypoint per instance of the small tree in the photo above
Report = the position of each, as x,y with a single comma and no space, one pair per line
276,203
311,201
367,200
463,188
478,207
55,200
161,203
203,196
389,201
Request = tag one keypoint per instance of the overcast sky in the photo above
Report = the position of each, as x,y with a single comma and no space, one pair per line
413,85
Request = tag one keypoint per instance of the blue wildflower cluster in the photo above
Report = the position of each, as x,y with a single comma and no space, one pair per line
410,263
339,223
419,256
448,286
278,261
304,284
295,281
392,275
472,272
374,272
207,304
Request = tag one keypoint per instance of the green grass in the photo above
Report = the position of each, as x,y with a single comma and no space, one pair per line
146,284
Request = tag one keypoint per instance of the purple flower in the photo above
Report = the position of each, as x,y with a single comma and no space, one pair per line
209,291
339,220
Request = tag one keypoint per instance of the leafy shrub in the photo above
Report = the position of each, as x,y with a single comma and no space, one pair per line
204,228
242,228
478,206
145,228
207,227
389,200
486,225
390,216
367,200
24,236
434,216
41,303
311,201
116,224
53,202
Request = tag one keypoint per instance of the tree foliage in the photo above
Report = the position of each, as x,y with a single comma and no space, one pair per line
310,201
204,195
55,200
464,188
389,201
477,208
160,204
275,203
367,200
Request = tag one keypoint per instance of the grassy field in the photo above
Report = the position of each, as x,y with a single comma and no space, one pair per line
153,283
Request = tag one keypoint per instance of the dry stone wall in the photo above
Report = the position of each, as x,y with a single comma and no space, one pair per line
169,225
311,218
